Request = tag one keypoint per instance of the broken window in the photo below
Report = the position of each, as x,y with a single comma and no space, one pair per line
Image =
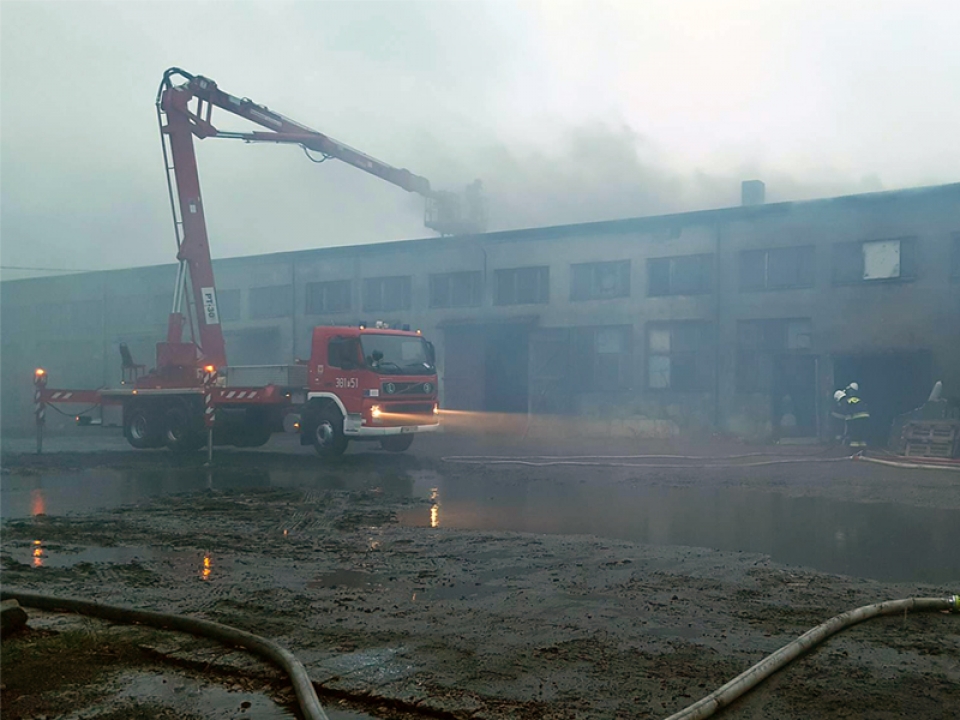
600,281
777,268
228,305
272,301
874,260
680,355
681,275
387,293
331,296
601,357
759,342
523,286
457,289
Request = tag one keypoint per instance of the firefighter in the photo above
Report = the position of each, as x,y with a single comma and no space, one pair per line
839,416
858,417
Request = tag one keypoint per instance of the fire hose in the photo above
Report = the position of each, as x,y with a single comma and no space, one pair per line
746,681
310,704
628,461
306,695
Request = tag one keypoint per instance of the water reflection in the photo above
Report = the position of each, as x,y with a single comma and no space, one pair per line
38,502
888,542
882,541
58,493
435,507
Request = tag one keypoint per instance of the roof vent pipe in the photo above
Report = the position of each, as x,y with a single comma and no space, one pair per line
752,192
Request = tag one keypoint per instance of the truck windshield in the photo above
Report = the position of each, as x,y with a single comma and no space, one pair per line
397,354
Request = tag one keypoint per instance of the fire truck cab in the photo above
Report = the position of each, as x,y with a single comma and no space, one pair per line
369,383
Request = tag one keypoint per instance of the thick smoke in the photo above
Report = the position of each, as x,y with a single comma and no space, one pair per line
603,171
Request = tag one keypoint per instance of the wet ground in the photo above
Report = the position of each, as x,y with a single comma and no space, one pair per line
880,540
600,587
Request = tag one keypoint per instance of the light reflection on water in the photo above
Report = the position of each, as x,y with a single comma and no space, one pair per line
878,540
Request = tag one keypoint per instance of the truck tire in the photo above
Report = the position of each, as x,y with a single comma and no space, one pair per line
397,443
181,433
328,438
141,427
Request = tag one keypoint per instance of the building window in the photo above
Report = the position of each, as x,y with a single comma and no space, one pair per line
601,358
386,293
777,268
680,355
874,260
455,290
682,275
759,342
600,281
332,296
228,305
273,301
523,286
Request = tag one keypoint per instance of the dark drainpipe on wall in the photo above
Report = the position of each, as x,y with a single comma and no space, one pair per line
716,327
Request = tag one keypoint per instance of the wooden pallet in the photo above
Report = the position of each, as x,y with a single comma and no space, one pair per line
931,438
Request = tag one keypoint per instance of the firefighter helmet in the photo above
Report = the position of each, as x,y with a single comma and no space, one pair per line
839,395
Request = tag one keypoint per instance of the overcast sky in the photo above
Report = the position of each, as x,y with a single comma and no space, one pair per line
568,111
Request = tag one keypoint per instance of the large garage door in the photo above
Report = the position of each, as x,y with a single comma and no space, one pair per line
463,367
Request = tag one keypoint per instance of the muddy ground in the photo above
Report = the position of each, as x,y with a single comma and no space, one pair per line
362,576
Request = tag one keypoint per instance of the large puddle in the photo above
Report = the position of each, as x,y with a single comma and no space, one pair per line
886,542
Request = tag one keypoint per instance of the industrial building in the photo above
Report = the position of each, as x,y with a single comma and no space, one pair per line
742,319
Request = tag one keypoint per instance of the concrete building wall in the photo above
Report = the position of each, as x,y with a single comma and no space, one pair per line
684,347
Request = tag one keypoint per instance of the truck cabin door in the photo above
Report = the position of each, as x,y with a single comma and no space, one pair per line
346,369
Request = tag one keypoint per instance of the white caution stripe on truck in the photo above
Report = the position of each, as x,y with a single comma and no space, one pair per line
61,396
240,395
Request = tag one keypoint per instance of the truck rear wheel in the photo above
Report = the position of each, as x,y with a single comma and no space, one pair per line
180,431
397,443
328,437
141,427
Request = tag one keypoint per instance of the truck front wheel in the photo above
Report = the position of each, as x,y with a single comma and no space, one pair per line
397,443
328,437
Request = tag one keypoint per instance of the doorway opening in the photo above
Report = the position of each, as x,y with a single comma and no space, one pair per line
486,367
890,383
794,400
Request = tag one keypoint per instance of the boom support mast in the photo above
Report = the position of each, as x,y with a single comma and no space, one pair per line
184,112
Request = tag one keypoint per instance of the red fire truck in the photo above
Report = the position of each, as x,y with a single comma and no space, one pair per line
360,383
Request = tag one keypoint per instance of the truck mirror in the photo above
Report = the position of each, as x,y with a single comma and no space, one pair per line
431,353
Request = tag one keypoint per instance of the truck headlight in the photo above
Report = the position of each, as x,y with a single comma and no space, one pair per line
375,411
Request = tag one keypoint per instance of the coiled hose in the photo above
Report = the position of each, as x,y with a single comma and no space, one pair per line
310,704
306,695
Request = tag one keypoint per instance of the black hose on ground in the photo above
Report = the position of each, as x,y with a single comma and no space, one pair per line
306,695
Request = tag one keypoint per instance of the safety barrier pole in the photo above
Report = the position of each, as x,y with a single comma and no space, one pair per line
209,411
39,406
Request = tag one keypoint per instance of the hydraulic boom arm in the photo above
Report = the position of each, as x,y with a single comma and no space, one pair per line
185,112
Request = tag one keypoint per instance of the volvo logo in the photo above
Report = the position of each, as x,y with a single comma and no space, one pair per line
428,388
389,388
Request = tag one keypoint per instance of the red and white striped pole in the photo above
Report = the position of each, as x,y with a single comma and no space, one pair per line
209,410
39,406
